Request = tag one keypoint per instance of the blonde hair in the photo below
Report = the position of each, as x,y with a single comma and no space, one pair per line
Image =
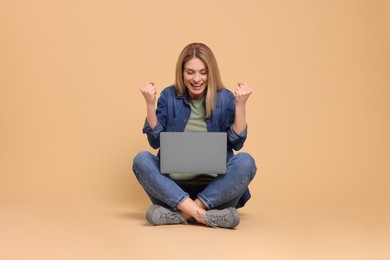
214,82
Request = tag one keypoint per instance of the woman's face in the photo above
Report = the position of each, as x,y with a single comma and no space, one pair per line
195,78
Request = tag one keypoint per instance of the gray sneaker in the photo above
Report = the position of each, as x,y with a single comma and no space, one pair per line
226,218
158,215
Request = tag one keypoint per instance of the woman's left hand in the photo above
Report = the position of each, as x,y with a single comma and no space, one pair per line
242,93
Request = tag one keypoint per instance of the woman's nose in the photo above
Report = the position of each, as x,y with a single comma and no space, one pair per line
196,77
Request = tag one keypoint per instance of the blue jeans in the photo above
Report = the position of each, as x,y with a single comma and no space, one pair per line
222,192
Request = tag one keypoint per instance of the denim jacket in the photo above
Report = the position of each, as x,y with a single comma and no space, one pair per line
173,112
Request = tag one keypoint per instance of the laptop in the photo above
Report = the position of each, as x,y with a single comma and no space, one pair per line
193,152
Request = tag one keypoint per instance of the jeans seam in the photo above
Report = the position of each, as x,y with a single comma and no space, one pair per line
204,199
208,203
157,195
235,188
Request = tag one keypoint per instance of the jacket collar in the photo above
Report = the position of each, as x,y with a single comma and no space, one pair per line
185,97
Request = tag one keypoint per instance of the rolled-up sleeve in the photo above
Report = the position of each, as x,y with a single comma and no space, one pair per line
153,134
237,140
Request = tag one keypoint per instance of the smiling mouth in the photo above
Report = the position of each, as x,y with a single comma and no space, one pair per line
196,86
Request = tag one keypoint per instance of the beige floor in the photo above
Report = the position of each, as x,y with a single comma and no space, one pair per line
284,231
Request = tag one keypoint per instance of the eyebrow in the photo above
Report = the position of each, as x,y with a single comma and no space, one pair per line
204,69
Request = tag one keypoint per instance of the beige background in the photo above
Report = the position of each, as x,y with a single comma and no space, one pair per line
71,117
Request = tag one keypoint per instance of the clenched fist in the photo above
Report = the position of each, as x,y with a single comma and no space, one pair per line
149,92
242,93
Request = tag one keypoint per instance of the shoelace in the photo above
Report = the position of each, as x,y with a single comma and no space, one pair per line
170,217
213,220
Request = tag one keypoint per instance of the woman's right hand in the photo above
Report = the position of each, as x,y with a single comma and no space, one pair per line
149,92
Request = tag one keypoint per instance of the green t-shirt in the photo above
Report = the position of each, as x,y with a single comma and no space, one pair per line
196,123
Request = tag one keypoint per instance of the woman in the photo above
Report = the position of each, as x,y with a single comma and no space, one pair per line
197,102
